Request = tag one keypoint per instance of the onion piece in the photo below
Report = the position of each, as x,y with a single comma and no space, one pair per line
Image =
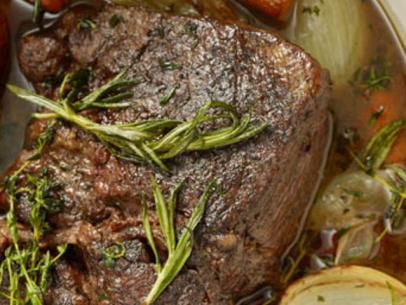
346,285
351,199
357,244
334,32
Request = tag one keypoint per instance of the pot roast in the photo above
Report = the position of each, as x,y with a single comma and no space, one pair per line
265,183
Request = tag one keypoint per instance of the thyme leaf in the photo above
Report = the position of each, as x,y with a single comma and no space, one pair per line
167,65
86,24
26,268
150,141
311,10
115,20
178,250
112,254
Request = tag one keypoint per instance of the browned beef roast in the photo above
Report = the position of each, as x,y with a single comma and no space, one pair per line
265,183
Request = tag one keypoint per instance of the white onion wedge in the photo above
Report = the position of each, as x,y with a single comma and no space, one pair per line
346,285
335,34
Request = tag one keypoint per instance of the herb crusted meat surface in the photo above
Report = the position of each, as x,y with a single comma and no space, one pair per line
265,184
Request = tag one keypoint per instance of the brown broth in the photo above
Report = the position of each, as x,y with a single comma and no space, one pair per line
351,114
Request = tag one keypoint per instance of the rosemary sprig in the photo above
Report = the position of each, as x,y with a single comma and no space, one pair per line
380,145
151,141
178,250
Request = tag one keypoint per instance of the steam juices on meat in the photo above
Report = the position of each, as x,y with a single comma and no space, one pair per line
264,183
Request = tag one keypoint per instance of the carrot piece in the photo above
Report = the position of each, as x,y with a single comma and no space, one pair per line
277,9
386,107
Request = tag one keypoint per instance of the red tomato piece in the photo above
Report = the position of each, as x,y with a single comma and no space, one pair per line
276,9
53,6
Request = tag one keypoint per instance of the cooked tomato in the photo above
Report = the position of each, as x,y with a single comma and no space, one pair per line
53,6
4,46
276,9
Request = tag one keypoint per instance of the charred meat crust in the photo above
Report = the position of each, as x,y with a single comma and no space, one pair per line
265,183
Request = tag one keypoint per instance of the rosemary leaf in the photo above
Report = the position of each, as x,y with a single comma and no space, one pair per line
380,145
166,99
177,257
163,215
149,236
96,98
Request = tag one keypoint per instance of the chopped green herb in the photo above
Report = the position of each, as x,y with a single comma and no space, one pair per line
112,254
160,31
320,298
86,24
115,20
179,250
167,65
311,10
374,77
375,116
165,99
191,28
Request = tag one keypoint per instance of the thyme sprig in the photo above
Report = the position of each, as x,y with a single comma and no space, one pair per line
24,266
151,141
376,76
373,159
179,250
